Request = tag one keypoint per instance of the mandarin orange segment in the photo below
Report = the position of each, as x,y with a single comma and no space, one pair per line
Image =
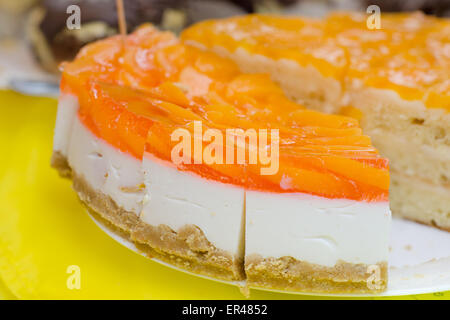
293,179
358,171
313,118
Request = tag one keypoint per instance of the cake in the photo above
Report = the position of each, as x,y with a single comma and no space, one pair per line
395,80
295,200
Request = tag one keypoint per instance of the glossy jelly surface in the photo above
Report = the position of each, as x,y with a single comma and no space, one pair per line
135,92
409,54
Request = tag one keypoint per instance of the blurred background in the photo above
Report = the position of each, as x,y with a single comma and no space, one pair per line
34,38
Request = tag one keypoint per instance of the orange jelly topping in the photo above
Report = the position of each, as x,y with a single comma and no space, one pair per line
410,53
136,93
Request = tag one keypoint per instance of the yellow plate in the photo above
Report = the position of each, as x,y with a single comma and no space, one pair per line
49,245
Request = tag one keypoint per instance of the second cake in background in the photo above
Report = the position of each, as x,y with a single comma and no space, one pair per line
395,80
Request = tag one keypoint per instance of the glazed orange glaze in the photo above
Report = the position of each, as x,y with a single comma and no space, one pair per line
410,54
135,94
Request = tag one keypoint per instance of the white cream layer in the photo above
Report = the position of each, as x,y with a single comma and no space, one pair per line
308,228
105,168
315,229
177,198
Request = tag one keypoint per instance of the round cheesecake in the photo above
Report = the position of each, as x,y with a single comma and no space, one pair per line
216,171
